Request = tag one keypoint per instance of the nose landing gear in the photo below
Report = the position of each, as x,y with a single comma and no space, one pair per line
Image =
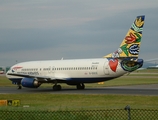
19,86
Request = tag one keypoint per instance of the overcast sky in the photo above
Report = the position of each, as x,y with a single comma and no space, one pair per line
52,29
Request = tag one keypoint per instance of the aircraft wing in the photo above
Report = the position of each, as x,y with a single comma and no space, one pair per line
40,78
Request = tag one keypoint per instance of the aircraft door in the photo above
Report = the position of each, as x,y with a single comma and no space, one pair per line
53,70
106,68
49,70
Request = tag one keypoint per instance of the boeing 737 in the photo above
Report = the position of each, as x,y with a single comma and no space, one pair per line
79,71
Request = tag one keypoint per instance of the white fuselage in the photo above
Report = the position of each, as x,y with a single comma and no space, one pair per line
91,70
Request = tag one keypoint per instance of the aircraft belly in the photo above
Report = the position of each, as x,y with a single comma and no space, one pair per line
15,80
88,80
103,68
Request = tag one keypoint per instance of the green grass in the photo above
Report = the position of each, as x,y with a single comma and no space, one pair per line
112,114
46,101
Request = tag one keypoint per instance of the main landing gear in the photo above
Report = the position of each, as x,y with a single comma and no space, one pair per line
57,87
80,86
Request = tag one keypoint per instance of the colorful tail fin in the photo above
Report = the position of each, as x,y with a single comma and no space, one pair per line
131,43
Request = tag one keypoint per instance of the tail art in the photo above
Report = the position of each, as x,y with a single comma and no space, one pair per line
127,53
131,43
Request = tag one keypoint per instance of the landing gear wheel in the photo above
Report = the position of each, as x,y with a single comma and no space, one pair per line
57,87
19,85
80,86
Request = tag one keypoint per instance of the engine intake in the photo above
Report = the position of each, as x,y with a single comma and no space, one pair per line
30,83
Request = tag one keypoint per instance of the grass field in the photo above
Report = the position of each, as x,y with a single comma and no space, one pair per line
75,101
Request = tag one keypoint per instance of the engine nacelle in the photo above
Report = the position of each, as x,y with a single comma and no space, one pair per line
30,83
130,65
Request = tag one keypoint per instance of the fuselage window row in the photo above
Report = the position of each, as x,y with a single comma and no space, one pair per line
54,69
79,68
30,69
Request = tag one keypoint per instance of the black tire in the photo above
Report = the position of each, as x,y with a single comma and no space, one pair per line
80,86
57,87
19,87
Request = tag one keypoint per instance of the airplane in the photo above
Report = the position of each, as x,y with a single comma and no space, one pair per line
1,72
77,72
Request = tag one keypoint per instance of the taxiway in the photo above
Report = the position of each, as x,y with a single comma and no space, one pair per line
151,89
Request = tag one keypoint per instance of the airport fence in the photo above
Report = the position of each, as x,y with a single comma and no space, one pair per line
109,114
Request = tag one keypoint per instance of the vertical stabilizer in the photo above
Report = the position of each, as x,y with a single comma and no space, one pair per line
131,43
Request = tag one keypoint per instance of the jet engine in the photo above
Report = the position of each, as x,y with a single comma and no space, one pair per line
30,83
130,65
